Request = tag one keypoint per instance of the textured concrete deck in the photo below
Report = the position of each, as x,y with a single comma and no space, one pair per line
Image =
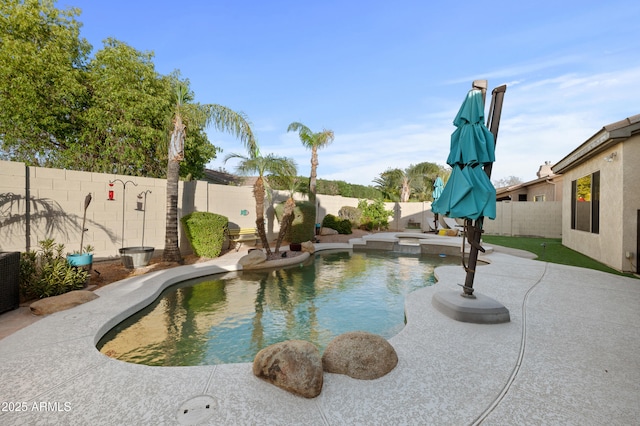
570,355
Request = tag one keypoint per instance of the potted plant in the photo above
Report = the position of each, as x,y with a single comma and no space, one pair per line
83,257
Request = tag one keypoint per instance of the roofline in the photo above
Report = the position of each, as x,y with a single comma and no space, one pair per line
606,137
505,189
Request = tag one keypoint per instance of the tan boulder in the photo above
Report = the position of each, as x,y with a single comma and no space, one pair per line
254,257
62,302
293,365
328,231
308,247
360,355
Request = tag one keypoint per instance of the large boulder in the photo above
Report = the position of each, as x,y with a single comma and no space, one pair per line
360,355
254,257
308,247
62,302
293,365
328,231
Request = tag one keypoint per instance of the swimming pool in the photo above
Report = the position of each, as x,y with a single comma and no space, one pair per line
228,318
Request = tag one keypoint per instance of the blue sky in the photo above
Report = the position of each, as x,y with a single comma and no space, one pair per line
389,77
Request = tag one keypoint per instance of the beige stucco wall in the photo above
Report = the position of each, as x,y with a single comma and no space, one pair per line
619,202
550,191
631,201
518,218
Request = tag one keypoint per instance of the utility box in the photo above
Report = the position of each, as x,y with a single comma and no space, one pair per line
9,281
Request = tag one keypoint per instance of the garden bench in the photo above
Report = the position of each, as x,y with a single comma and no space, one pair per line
242,235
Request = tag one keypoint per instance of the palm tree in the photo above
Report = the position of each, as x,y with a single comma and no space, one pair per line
257,163
185,116
389,183
400,184
293,184
312,141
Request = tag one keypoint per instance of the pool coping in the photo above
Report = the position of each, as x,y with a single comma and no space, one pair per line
551,355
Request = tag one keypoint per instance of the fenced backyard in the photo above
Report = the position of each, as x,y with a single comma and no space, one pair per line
38,203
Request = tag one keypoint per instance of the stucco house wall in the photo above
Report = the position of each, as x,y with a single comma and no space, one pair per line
615,152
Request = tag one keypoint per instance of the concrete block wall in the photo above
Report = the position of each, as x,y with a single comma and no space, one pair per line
535,219
56,199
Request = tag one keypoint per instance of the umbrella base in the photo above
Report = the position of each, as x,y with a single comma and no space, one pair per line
478,310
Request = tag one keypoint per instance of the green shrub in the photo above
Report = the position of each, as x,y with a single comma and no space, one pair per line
374,215
47,273
303,227
206,232
352,214
343,226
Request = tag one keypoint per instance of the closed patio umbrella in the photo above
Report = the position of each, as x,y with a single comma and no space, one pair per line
469,193
438,186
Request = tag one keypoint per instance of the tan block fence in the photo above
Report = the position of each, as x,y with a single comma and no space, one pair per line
56,200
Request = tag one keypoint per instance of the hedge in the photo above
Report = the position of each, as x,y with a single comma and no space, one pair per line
206,232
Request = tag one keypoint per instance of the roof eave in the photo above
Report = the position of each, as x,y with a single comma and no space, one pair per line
608,136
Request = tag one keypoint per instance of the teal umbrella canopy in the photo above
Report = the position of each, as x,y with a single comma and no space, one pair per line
469,193
471,143
438,186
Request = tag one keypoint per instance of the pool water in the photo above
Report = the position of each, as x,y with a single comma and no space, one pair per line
228,318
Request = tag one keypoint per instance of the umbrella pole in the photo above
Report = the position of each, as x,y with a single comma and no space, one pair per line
474,232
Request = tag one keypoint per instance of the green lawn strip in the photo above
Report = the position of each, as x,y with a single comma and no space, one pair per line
551,250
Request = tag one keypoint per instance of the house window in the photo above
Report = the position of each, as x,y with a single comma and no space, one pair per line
522,197
585,203
538,198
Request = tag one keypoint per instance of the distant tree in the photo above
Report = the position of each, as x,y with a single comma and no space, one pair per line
42,67
389,183
256,163
125,122
312,141
416,181
188,115
198,151
505,182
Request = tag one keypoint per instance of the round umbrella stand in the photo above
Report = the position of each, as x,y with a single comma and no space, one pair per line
478,309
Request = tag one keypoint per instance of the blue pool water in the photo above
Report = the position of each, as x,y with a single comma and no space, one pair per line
228,318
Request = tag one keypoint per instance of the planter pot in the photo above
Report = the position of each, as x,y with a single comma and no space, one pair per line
82,259
136,257
295,247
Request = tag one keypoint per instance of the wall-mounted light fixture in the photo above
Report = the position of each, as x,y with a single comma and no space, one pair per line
609,158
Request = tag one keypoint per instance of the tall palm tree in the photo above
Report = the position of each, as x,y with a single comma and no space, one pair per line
313,141
257,163
293,184
186,115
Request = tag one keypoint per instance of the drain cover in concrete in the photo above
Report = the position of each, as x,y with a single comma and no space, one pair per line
480,310
196,410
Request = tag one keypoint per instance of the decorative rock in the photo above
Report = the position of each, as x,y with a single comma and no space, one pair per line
360,355
254,257
328,231
308,247
62,302
293,365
